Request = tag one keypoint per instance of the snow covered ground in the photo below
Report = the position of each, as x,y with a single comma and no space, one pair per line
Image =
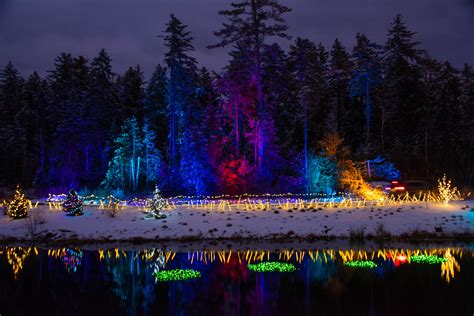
194,224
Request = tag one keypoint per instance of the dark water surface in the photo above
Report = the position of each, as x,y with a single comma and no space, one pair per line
74,281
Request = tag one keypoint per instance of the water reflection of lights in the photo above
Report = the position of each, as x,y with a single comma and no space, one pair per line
176,275
72,259
271,267
363,264
157,258
16,257
449,266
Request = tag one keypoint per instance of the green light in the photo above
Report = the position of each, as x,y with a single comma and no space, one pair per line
176,275
271,267
427,259
361,264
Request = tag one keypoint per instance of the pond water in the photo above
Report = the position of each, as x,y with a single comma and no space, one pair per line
154,281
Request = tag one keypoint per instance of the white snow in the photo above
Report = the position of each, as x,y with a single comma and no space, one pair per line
190,223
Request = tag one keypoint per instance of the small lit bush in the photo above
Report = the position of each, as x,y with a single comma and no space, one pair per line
446,191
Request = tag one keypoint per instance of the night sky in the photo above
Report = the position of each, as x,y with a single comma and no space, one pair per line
33,32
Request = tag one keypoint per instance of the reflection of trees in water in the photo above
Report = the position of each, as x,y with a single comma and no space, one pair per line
16,257
132,283
449,266
72,258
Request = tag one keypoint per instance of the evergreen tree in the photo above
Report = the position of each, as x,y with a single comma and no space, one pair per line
11,130
102,110
254,22
69,84
152,156
156,107
366,57
401,89
35,129
131,94
181,67
308,65
194,167
125,166
339,74
466,103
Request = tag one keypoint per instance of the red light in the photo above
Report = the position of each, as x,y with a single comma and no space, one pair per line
399,188
394,182
402,258
387,188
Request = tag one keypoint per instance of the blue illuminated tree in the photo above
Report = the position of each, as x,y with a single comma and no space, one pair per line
322,174
124,167
152,156
181,71
195,169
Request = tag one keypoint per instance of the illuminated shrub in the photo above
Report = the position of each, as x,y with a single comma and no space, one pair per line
446,191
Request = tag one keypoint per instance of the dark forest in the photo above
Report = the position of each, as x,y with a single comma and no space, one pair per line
273,120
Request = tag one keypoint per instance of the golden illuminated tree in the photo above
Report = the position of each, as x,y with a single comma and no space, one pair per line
351,178
446,191
18,207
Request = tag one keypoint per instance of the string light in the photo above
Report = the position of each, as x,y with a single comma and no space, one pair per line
271,267
73,206
427,259
361,264
176,275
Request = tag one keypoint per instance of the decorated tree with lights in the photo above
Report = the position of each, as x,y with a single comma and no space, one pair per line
18,207
157,205
447,191
73,206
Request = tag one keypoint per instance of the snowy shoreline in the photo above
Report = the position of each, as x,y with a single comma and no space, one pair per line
413,221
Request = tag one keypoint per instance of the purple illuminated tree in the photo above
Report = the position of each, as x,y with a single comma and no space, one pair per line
253,22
